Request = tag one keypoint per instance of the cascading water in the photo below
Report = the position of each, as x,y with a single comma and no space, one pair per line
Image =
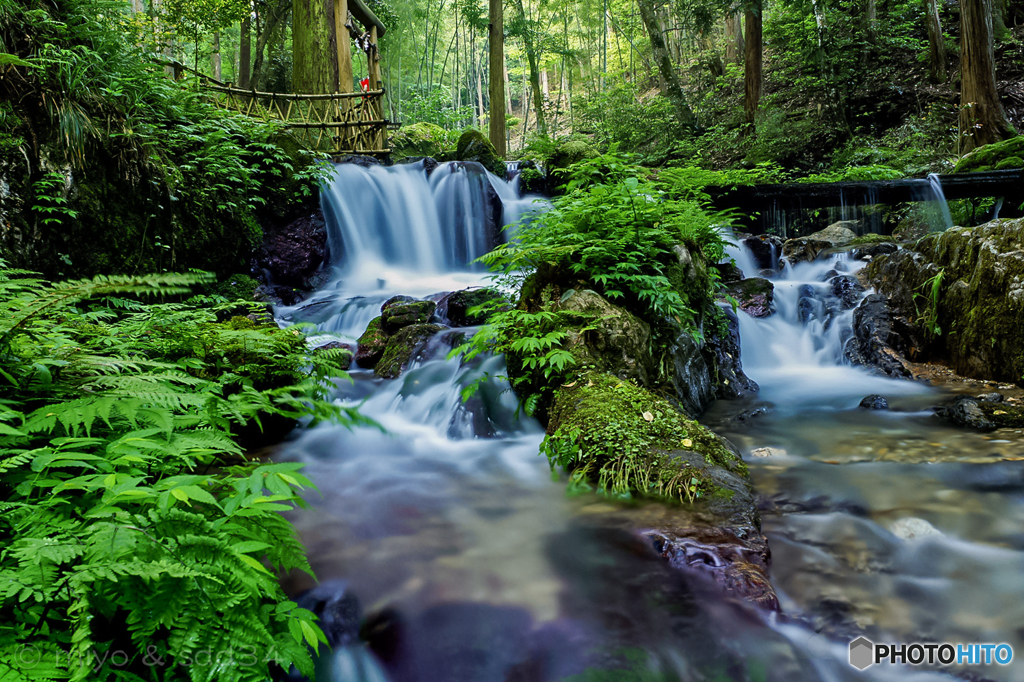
473,565
877,546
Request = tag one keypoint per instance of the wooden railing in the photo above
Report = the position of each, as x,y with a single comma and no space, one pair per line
337,123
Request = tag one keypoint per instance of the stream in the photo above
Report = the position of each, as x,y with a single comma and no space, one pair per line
470,562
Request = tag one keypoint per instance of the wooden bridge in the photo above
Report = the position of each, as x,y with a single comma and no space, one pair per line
341,122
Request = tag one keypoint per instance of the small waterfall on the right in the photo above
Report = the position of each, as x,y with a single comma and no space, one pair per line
797,354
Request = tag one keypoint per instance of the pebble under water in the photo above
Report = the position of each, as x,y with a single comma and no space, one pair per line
459,557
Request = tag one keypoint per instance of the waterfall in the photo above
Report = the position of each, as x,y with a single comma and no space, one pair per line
939,201
797,354
401,230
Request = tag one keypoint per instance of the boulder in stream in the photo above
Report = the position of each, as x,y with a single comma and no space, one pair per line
765,250
754,295
803,249
965,280
982,415
837,234
401,348
454,308
371,344
292,255
404,313
874,402
880,339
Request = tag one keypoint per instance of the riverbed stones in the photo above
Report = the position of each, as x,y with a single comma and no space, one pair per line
982,415
401,348
754,295
847,289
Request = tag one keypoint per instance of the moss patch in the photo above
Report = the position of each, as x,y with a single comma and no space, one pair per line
1003,155
627,442
872,239
371,344
419,139
401,347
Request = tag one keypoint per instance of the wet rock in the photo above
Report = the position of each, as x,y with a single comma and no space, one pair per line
837,234
912,528
532,179
276,294
404,313
401,348
803,249
338,610
767,452
453,308
981,414
371,344
806,309
870,251
847,289
752,413
754,295
346,359
980,296
728,272
359,160
620,343
765,250
293,254
829,275
473,146
991,397
691,377
397,299
722,354
966,412
880,339
874,402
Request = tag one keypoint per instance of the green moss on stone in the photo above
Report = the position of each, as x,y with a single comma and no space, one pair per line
872,239
993,157
237,287
401,346
419,139
370,346
473,146
628,442
405,313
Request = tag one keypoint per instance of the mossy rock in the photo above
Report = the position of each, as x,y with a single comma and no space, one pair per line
567,153
754,295
419,139
871,238
627,442
404,313
1003,155
401,347
456,306
371,344
473,146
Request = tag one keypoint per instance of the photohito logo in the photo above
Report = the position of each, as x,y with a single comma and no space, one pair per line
864,653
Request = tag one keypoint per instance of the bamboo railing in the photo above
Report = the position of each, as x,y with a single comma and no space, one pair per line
337,123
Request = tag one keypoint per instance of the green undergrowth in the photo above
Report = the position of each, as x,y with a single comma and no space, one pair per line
134,527
616,231
623,440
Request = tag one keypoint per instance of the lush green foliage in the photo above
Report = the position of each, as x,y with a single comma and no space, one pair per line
150,162
616,232
139,542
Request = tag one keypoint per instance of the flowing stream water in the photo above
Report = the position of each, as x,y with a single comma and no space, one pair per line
471,562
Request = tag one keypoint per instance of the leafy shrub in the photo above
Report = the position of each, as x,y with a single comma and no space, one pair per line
134,528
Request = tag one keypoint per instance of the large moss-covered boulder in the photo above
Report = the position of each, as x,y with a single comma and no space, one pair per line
401,348
473,146
627,442
405,313
419,139
964,290
456,306
803,249
1005,155
837,234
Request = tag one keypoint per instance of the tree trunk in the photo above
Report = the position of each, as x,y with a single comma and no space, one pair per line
244,53
734,38
936,44
314,59
215,60
982,118
665,67
752,62
497,76
533,59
